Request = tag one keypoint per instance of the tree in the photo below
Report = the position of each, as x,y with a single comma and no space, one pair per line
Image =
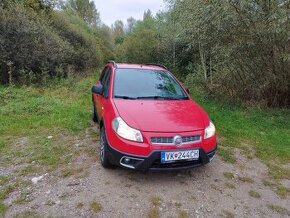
131,22
86,10
118,32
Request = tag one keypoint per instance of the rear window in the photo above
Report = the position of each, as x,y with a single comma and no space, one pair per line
146,84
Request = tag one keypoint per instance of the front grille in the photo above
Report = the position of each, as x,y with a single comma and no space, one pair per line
169,140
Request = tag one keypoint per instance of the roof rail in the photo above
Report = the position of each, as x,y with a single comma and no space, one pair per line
158,65
113,62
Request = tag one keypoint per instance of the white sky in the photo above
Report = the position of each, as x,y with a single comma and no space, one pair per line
112,10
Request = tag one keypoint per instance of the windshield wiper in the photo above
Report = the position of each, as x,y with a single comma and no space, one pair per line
162,97
125,97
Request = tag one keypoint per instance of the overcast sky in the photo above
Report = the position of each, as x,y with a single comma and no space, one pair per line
112,10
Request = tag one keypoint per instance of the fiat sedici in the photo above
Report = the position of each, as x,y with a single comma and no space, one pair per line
148,120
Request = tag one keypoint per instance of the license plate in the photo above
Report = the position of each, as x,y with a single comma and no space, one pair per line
179,155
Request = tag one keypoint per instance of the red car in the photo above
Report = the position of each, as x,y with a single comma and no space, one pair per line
148,120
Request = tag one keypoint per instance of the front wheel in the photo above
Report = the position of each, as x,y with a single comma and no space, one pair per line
104,153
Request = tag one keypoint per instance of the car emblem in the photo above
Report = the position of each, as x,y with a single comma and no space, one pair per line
177,140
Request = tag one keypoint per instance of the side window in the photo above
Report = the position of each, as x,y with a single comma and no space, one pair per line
106,83
103,75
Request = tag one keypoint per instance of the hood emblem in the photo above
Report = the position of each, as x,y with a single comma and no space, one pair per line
177,140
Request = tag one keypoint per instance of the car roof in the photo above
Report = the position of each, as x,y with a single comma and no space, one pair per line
140,66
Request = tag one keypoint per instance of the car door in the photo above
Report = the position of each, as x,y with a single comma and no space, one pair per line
101,99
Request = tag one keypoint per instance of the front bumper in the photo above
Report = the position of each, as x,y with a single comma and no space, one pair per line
152,162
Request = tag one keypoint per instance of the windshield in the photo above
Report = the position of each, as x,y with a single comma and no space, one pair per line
146,84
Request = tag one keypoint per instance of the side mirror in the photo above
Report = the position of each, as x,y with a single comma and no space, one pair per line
97,89
187,90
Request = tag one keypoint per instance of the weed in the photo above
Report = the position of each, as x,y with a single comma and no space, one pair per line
267,183
182,214
228,175
278,172
278,209
3,208
227,214
4,180
178,205
96,207
153,213
156,201
226,155
246,179
230,185
282,191
254,194
6,191
80,205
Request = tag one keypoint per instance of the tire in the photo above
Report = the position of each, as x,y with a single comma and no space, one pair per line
94,114
104,152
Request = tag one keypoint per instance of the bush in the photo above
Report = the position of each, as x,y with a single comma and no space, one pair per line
28,44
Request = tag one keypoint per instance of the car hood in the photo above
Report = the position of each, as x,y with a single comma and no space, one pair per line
161,115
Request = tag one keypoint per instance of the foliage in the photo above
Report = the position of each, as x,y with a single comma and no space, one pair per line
263,132
38,43
85,9
242,47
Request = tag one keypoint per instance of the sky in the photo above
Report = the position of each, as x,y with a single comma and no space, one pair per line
112,10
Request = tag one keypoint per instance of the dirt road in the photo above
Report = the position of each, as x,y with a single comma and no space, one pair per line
88,190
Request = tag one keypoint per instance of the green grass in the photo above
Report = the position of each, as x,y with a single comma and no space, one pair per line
254,194
26,110
63,108
3,209
95,207
263,131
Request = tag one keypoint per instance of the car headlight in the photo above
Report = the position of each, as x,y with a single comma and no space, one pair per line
125,131
209,131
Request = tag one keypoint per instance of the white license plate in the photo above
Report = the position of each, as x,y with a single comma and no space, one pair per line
179,155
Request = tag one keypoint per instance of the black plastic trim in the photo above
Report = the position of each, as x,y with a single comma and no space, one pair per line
152,161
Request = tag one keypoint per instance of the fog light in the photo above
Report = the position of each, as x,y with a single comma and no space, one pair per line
127,160
130,162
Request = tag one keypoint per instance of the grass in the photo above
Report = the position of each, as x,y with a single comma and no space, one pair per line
6,191
182,214
228,175
227,155
156,201
25,110
278,209
96,207
282,191
246,179
227,214
3,209
34,113
153,212
278,172
230,185
254,194
265,131
4,180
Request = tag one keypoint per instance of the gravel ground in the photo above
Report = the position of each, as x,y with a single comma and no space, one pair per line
91,191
